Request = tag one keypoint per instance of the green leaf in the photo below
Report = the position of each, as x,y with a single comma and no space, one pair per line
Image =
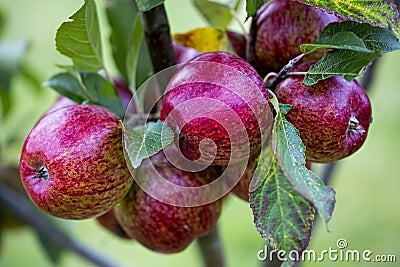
146,5
341,40
355,36
282,216
144,141
133,51
217,14
376,12
80,40
121,16
68,85
102,93
253,5
347,63
290,153
87,88
355,46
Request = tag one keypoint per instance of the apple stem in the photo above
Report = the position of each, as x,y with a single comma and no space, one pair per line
211,249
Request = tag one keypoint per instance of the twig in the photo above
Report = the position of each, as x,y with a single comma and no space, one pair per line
158,38
22,209
211,249
273,81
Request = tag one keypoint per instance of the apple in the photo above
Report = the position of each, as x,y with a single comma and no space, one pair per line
109,221
220,105
282,26
238,43
332,116
61,102
123,91
242,188
183,53
72,163
160,226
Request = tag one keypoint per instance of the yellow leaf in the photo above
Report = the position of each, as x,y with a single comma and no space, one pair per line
203,39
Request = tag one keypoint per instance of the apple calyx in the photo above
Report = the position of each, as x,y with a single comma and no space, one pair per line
41,173
354,125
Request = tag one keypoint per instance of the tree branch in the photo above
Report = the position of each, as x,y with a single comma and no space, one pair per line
211,249
20,207
158,38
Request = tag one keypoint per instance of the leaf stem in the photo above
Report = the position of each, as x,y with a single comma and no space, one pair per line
19,206
158,38
211,249
240,23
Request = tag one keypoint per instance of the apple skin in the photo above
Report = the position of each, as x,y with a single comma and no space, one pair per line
242,188
194,91
123,91
61,102
238,43
332,116
282,26
110,222
72,163
162,227
183,53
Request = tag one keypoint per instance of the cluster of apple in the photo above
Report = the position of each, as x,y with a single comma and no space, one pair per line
73,166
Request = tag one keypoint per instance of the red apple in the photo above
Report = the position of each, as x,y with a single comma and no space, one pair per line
110,222
282,26
183,53
242,188
238,43
160,226
72,163
61,102
220,104
333,116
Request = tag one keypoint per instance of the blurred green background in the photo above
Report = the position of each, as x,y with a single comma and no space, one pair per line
367,212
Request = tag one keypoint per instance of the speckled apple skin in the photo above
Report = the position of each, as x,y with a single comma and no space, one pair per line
247,108
81,148
322,113
283,25
162,227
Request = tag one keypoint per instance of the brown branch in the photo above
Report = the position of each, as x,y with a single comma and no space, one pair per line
158,38
22,209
